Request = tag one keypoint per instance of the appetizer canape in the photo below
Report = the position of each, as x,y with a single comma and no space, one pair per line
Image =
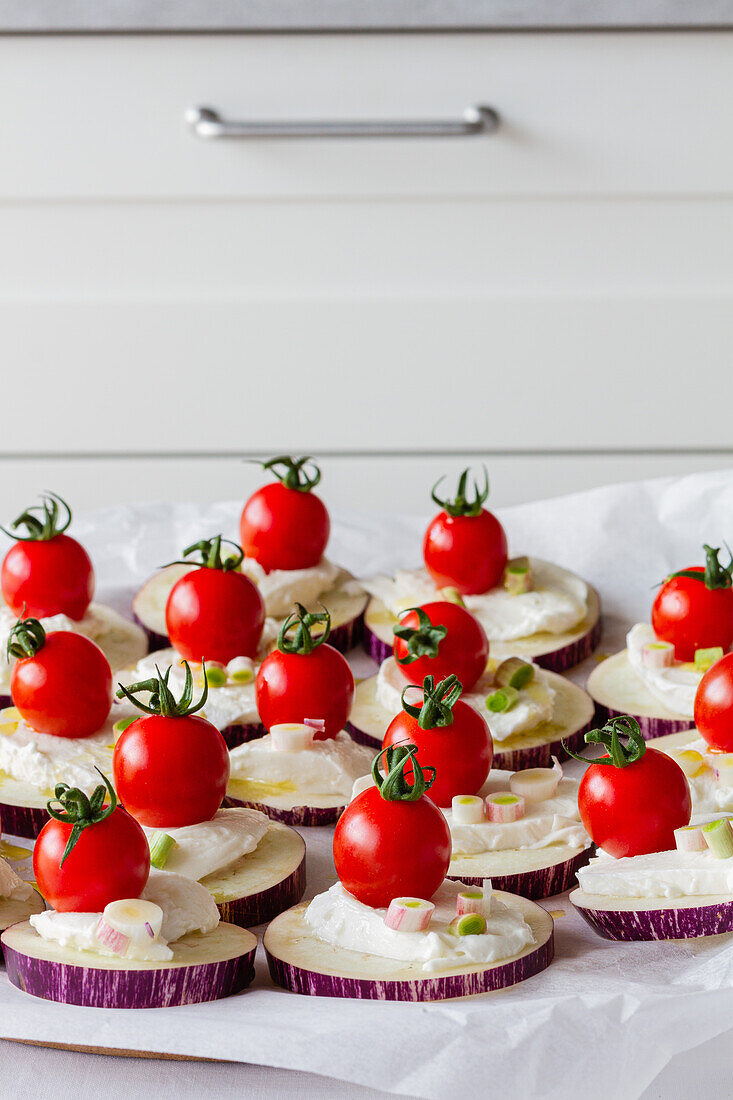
284,530
393,927
527,607
48,575
530,711
214,613
656,877
655,678
60,725
303,770
522,829
171,768
18,899
118,935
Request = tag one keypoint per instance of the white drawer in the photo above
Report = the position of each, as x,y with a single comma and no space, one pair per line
581,114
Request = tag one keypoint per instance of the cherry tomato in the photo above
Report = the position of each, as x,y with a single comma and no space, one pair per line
305,678
65,687
171,771
714,705
215,613
284,525
694,609
460,751
632,808
459,644
110,860
465,546
386,848
46,572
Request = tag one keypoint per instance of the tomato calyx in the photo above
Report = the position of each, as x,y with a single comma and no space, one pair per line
460,505
80,810
436,710
162,700
50,523
26,639
422,640
716,575
295,473
211,556
303,641
394,786
620,755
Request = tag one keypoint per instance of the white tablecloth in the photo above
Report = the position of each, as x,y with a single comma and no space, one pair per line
608,1020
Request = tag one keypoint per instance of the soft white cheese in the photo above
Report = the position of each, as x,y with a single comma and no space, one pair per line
555,820
281,589
213,845
674,687
42,760
534,705
11,885
187,907
337,917
710,790
325,767
229,705
657,875
558,602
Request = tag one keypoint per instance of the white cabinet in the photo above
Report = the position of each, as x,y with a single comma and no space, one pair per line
564,284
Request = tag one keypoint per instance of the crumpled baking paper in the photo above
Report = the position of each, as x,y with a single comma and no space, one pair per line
604,1019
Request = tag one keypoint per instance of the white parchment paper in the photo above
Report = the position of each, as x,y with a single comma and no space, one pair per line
604,1019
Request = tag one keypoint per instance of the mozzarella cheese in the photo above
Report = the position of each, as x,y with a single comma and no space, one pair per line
671,874
42,760
213,845
11,885
554,820
325,767
187,907
674,687
337,917
534,706
281,589
558,602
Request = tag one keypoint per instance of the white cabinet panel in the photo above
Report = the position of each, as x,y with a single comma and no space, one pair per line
593,114
373,373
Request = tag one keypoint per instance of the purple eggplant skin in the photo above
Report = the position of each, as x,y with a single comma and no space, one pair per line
149,988
559,660
312,983
650,727
343,637
297,816
267,904
24,821
545,882
669,923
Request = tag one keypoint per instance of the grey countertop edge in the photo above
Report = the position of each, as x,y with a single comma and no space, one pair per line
260,16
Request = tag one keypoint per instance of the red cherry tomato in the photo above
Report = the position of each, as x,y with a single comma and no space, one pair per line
696,612
285,525
171,771
634,809
305,678
110,861
385,849
714,705
461,647
215,613
47,572
461,753
465,546
65,688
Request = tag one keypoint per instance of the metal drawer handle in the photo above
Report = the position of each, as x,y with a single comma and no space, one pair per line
204,122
